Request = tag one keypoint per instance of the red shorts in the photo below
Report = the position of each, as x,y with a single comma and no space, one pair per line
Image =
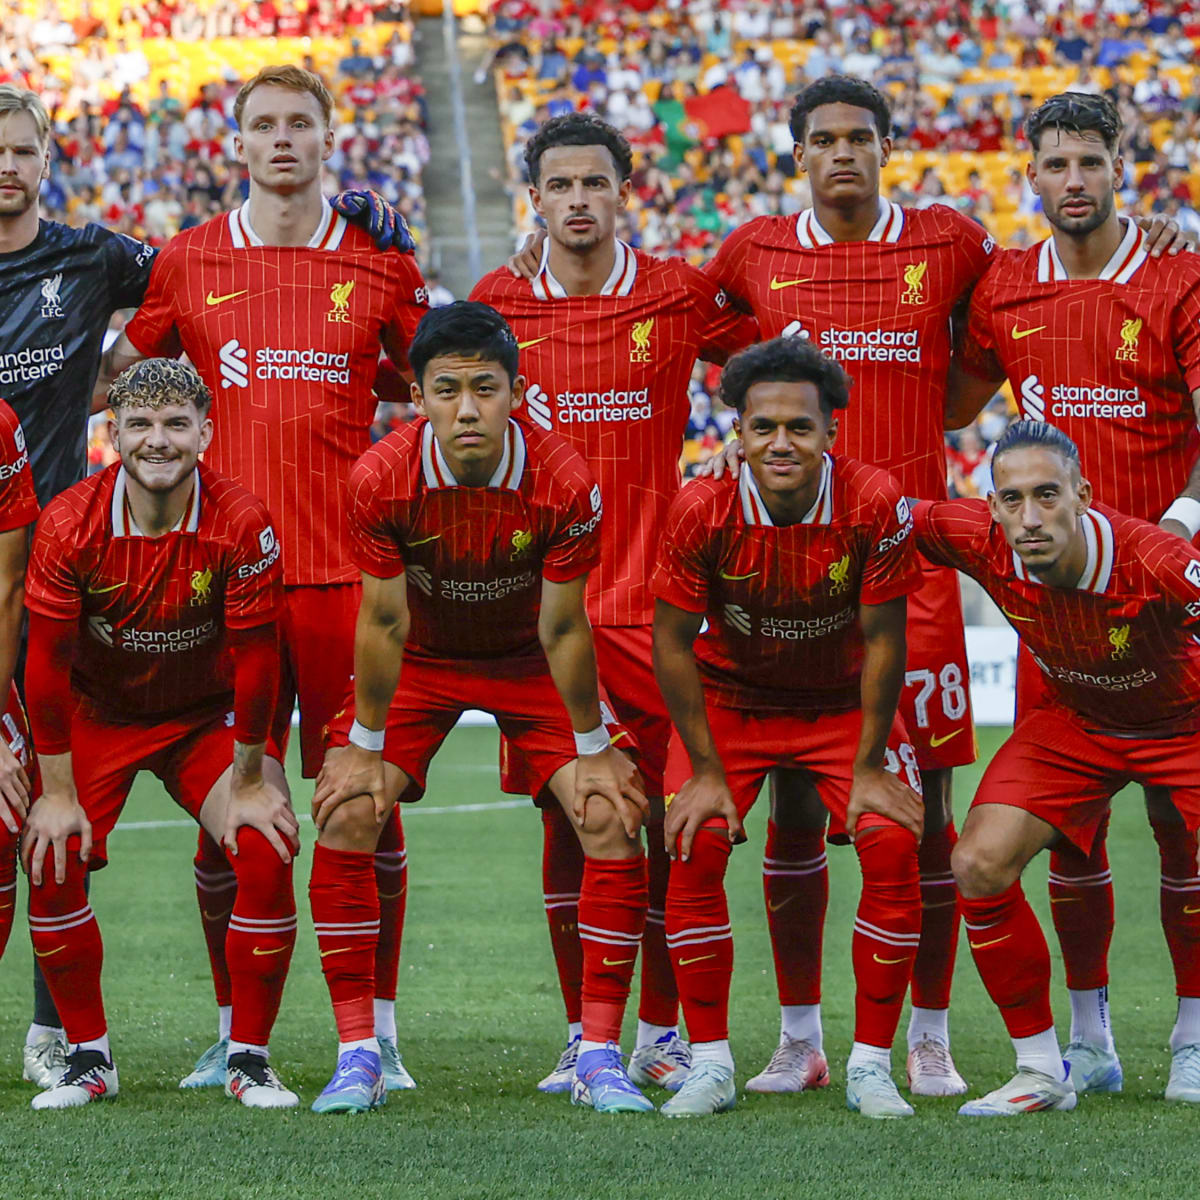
1066,774
753,744
188,754
318,662
936,700
434,693
630,702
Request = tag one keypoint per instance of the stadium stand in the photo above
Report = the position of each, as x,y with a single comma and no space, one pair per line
702,91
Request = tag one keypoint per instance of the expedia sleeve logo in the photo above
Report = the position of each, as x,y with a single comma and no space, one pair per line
268,544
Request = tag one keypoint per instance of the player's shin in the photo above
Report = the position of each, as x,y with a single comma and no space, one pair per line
262,934
216,892
391,885
658,1007
345,910
933,969
562,878
796,892
8,884
1179,902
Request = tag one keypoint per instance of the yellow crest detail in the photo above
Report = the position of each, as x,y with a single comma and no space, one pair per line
522,539
339,296
1118,637
201,586
914,277
1130,332
839,573
640,336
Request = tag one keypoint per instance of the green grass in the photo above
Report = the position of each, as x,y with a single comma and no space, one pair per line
480,1021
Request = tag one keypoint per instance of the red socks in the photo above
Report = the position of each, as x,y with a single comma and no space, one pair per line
262,934
796,890
66,941
700,937
345,910
216,892
659,1001
612,918
391,884
8,884
887,930
1014,963
562,877
1179,902
933,970
1081,905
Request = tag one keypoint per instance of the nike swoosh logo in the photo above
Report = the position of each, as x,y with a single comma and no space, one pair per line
1065,899
1018,334
433,537
391,895
889,962
1190,909
339,950
259,952
993,942
101,591
773,907
217,915
735,578
941,904
533,342
937,741
47,953
777,284
687,962
211,299
617,962
1014,617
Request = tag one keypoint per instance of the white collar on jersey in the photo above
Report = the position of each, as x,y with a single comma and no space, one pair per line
754,511
619,281
1097,570
1121,268
123,524
507,475
328,236
811,233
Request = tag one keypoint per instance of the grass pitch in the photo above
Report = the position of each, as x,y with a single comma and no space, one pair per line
480,1021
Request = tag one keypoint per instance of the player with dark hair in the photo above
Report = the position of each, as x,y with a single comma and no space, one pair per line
283,306
801,568
1108,606
1103,340
154,596
475,536
609,337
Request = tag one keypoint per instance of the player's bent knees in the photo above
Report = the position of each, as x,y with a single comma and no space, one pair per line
981,869
352,826
602,834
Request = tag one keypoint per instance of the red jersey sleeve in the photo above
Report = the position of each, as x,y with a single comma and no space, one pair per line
951,533
254,587
374,538
18,502
153,331
891,568
1176,568
726,268
976,352
1185,321
724,329
52,586
574,549
410,303
682,573
978,245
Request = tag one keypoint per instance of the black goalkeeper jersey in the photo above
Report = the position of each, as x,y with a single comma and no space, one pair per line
56,297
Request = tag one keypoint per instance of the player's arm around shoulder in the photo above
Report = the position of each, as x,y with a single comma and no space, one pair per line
976,372
951,533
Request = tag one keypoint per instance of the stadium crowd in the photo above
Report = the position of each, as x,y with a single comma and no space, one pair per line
702,90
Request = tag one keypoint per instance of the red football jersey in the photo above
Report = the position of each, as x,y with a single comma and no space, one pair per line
475,557
1119,649
18,501
782,601
288,339
881,307
153,611
610,374
1111,361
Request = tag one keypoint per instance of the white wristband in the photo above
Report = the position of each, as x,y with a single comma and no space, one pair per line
366,739
593,742
1186,511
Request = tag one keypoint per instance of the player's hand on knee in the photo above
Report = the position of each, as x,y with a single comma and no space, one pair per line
1164,235
263,806
876,790
611,776
527,261
730,456
51,821
14,790
705,797
350,771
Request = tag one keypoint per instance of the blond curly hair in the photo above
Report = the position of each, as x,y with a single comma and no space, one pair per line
157,382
